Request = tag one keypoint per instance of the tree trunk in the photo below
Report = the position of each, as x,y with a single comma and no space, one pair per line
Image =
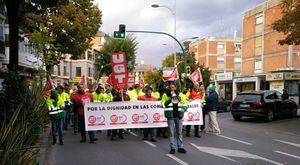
13,21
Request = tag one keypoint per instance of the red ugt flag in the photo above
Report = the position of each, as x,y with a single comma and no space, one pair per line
196,76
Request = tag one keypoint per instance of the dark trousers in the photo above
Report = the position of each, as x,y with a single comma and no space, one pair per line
57,126
196,129
75,121
149,132
113,133
67,117
82,128
202,127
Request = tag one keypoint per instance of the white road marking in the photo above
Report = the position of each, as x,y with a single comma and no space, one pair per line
132,133
151,144
240,141
225,153
284,153
177,159
290,143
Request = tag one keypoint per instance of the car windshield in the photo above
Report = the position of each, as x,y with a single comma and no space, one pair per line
248,97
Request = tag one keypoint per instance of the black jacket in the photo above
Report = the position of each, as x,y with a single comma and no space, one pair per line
211,101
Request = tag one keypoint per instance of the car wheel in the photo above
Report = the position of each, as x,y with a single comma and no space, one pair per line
294,112
270,116
228,108
237,118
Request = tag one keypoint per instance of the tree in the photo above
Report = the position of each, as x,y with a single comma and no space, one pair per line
127,45
154,77
289,24
60,27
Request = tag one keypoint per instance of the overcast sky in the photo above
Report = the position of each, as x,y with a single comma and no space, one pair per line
195,18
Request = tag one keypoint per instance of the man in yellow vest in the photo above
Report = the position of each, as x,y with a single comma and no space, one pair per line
136,92
56,112
175,105
98,95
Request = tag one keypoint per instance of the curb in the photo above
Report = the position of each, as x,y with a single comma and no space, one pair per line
44,146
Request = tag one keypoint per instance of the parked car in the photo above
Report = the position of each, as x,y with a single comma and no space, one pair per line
266,104
223,105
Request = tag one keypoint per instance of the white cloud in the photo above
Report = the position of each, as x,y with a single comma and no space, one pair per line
194,18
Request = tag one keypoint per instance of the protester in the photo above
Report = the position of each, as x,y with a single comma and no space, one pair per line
118,97
149,131
211,102
195,94
79,99
56,111
66,98
174,113
136,92
98,95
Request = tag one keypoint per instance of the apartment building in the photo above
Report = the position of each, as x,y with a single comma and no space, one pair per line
86,65
265,63
222,56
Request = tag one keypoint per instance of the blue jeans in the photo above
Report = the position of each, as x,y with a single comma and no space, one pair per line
57,126
175,131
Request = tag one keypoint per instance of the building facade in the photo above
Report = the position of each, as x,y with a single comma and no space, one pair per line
71,71
222,56
262,54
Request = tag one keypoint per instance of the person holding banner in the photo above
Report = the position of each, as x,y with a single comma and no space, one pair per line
79,99
119,97
195,94
175,105
148,97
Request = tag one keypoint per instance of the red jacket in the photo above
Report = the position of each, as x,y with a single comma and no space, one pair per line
79,99
145,98
195,95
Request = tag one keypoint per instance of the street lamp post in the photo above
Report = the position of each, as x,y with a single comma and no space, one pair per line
174,14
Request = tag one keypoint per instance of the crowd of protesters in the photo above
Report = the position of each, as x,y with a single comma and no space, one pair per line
66,106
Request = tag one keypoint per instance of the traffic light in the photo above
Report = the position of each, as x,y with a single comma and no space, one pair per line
121,32
188,70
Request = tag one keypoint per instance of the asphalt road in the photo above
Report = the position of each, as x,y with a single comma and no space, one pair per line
250,141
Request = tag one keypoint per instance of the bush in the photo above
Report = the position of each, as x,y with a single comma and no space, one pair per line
22,119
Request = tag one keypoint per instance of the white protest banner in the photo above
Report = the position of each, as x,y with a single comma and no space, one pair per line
135,114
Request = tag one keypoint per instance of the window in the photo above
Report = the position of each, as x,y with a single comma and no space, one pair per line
89,70
220,48
78,71
272,96
52,70
259,19
292,88
259,23
90,56
238,47
258,66
237,59
220,58
258,46
58,70
65,70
